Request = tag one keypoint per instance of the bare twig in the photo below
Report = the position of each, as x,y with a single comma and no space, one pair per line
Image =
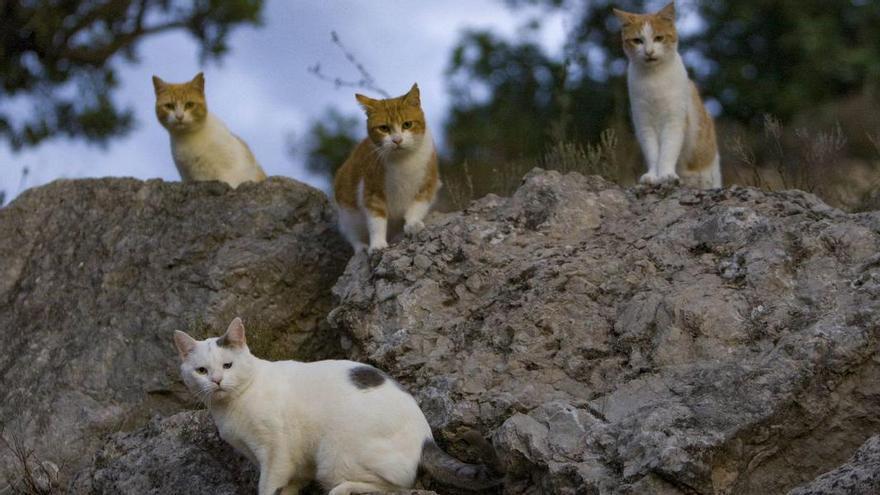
32,477
875,140
366,81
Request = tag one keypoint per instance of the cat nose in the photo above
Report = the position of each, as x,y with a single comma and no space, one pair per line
397,139
217,379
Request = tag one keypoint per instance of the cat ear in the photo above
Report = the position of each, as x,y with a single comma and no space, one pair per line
199,81
234,336
158,84
185,344
668,12
367,103
413,97
625,17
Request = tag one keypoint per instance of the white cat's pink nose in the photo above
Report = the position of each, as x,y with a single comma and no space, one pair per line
217,379
397,140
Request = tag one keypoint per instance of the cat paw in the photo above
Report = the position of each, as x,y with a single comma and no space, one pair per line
377,246
413,228
669,179
649,178
654,179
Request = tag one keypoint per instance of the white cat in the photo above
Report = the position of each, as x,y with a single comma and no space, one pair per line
202,146
676,133
345,424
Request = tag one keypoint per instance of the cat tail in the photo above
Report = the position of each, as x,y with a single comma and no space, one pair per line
451,471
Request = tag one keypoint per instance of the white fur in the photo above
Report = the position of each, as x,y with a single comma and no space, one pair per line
377,227
303,421
212,152
665,117
406,166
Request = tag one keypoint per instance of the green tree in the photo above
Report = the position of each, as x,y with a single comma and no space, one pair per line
329,141
62,55
783,56
511,99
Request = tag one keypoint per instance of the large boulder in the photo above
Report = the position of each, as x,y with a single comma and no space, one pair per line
95,275
859,476
629,341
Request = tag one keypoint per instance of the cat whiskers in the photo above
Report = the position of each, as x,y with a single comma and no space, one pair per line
204,395
380,152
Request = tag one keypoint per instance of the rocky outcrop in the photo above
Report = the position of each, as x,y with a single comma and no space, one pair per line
629,341
179,454
608,340
96,275
859,476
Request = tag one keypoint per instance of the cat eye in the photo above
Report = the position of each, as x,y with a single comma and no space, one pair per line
636,41
202,370
169,106
658,39
189,105
408,124
384,128
226,366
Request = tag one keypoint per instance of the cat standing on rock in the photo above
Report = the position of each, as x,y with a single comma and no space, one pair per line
345,424
676,133
202,146
390,176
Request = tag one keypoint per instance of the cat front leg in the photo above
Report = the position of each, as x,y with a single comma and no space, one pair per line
414,215
292,488
349,487
274,480
377,226
276,472
671,143
376,212
649,140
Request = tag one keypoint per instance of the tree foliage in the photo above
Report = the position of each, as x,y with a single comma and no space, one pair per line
512,99
329,141
63,54
781,57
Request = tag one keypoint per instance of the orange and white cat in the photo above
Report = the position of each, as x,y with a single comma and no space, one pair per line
676,133
390,176
203,148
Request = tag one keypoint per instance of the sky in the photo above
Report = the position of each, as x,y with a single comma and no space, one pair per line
263,90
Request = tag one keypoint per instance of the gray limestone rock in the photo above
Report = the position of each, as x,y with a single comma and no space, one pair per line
95,275
859,476
642,340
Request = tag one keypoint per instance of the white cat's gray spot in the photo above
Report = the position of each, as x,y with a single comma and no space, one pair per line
364,377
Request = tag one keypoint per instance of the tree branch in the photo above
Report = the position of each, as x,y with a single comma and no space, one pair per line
97,56
367,81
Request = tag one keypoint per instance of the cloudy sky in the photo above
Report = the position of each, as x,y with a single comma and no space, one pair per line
263,90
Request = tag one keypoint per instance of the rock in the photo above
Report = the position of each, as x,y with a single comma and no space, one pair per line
95,275
179,454
627,341
859,476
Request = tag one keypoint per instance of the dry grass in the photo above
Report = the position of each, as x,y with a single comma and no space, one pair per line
467,182
816,160
28,475
797,161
